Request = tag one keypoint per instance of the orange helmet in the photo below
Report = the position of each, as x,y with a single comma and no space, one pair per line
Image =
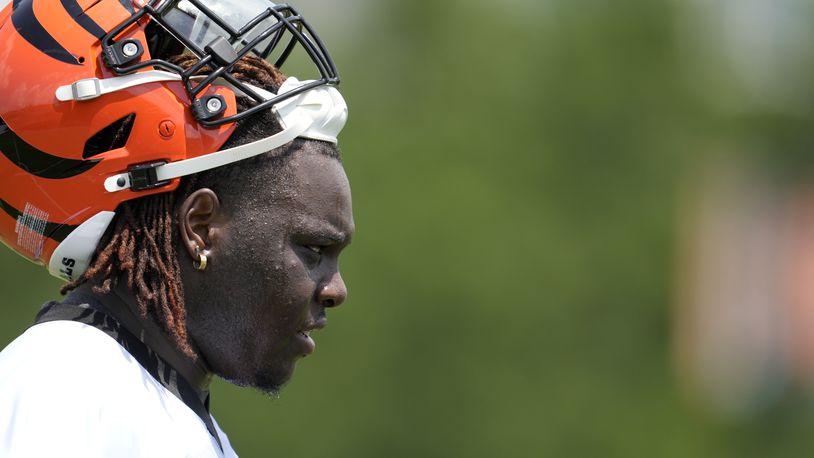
73,71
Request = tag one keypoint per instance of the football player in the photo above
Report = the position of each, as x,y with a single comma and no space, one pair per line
155,157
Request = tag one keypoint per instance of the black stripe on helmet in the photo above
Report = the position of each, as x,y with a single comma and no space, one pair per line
38,162
33,32
73,8
55,231
128,5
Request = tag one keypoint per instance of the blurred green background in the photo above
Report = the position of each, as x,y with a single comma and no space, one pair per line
517,170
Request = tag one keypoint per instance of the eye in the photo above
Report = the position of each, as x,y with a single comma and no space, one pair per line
315,248
313,253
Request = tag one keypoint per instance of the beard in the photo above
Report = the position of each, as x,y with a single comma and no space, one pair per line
266,382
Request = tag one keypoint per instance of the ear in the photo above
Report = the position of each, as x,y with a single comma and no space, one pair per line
201,219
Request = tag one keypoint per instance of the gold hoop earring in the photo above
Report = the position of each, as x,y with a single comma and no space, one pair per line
200,264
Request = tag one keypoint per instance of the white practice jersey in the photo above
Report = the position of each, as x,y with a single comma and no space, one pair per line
68,389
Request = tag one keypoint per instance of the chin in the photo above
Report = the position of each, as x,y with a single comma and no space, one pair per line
271,380
270,385
266,385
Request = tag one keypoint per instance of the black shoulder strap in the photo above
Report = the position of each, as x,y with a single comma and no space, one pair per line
165,374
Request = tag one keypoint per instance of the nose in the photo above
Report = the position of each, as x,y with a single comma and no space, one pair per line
334,292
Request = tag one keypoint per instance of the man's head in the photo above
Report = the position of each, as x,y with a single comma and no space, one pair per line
272,228
273,244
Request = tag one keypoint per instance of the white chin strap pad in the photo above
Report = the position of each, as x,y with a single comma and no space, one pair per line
324,105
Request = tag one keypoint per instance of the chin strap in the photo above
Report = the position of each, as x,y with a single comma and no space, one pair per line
319,114
90,88
158,174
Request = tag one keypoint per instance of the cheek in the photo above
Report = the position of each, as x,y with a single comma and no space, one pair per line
277,285
268,275
290,282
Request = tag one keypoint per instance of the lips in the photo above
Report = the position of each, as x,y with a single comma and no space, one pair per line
307,342
304,335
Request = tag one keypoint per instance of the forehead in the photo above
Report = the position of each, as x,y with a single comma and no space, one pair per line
311,190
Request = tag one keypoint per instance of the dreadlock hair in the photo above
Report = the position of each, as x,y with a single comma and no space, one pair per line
141,247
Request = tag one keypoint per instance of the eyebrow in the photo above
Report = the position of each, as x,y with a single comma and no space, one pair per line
326,231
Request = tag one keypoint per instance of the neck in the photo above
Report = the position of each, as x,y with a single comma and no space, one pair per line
121,304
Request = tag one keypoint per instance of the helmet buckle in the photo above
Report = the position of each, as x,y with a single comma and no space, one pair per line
86,89
144,176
